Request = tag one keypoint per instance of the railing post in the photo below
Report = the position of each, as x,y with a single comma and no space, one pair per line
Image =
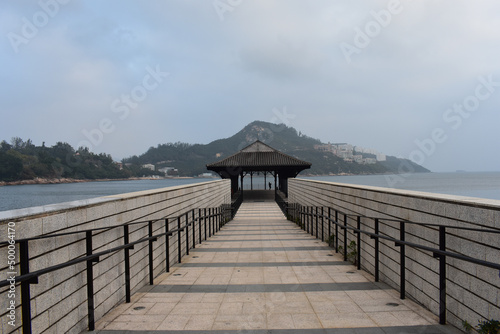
90,282
214,222
194,228
317,223
329,224
205,221
127,264
377,250
311,216
219,218
336,231
210,223
308,217
301,216
442,276
322,225
151,268
402,261
25,287
199,225
359,242
187,233
179,251
216,219
167,247
304,215
345,237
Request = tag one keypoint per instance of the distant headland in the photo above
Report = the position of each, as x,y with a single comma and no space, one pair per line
23,162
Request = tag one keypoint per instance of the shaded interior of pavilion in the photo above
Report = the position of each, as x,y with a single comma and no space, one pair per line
266,169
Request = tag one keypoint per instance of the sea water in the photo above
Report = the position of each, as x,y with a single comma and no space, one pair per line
481,185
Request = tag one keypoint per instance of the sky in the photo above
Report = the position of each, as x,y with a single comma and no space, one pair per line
412,79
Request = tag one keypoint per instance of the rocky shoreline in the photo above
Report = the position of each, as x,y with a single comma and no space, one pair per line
65,180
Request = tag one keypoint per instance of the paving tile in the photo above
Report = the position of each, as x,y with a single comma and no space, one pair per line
345,320
410,318
231,308
302,321
140,318
240,322
174,322
200,322
386,319
262,274
162,308
280,321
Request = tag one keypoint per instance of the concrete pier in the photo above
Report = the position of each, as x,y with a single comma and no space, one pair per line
263,274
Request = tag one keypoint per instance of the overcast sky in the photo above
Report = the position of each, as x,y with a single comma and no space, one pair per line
414,79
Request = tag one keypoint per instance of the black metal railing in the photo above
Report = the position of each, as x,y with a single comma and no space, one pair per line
211,220
309,217
280,199
236,202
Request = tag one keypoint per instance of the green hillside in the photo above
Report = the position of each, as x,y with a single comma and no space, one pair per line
22,160
190,159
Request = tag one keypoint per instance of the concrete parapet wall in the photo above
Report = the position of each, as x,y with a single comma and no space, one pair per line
59,300
473,291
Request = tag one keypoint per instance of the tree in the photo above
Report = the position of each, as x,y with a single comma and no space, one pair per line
4,146
17,143
11,167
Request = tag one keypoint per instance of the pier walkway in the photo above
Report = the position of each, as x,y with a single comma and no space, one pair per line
263,274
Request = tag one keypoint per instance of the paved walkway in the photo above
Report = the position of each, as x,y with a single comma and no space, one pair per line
262,274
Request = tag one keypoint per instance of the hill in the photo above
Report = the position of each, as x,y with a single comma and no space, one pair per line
190,160
22,160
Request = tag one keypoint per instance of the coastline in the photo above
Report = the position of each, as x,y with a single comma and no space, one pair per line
40,180
70,180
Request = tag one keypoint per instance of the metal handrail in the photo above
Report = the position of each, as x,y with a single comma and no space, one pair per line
441,253
216,218
107,228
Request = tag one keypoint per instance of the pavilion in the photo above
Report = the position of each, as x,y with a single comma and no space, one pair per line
259,158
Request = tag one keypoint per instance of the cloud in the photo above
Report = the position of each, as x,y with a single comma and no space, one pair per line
263,55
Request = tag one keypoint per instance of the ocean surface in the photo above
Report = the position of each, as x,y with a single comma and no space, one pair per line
481,185
25,196
469,184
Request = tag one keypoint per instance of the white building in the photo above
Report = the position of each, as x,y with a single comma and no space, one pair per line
149,166
166,170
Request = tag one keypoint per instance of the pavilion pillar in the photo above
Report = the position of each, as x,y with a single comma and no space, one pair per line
275,181
242,182
234,184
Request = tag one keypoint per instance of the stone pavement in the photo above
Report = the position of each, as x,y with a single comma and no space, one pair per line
262,274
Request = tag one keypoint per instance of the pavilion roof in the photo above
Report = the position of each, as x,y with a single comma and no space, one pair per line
259,155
